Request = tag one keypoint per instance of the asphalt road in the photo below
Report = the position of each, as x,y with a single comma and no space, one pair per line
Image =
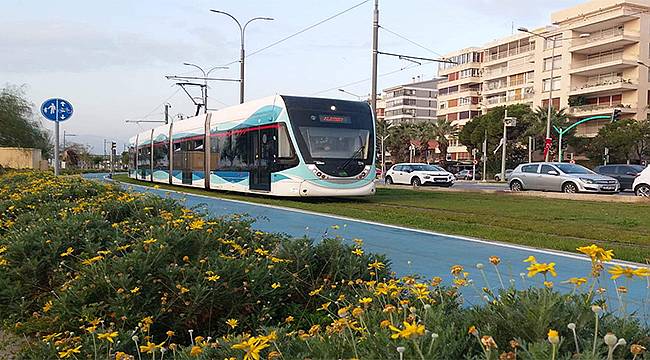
415,251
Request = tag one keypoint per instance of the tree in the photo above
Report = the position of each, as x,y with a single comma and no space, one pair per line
423,133
627,140
538,120
18,128
443,131
398,142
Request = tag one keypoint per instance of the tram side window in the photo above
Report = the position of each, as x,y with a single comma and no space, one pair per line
189,155
132,163
161,156
144,160
230,151
286,153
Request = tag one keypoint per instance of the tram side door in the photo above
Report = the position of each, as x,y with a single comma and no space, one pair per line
264,148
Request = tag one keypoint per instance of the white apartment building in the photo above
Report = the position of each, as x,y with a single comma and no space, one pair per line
411,103
598,45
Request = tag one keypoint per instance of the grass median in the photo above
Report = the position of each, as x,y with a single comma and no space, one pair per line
545,223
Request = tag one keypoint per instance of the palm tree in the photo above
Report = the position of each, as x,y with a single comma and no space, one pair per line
442,131
538,120
423,132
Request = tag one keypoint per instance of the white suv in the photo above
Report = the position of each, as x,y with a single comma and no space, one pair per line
642,183
419,174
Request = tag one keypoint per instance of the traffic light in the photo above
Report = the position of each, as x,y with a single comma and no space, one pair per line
113,146
616,114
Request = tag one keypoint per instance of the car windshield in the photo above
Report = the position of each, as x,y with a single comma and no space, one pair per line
637,168
573,169
425,167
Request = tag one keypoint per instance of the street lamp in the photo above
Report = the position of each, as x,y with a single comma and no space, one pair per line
204,92
353,94
242,30
66,135
550,92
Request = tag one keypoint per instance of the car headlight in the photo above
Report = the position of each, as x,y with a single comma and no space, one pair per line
586,180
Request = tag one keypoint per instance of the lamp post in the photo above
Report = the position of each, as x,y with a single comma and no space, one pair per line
550,92
65,135
242,55
352,94
204,88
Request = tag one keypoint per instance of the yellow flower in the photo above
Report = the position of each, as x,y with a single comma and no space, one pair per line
170,333
232,323
597,253
531,259
637,349
357,252
488,342
275,285
108,336
252,347
456,269
537,268
3,249
196,351
325,306
359,242
122,356
384,324
273,355
548,284
3,262
135,290
316,292
69,352
553,337
123,247
376,265
289,319
618,271
48,306
149,347
357,311
68,252
410,330
495,260
365,300
51,337
472,330
213,278
92,260
150,241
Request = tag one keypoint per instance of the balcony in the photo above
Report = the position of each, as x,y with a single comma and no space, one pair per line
498,100
595,65
614,84
494,73
506,54
600,109
606,40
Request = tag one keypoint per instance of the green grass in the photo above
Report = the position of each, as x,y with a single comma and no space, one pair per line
539,222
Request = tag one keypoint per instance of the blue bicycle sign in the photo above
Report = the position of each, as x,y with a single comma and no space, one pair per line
56,110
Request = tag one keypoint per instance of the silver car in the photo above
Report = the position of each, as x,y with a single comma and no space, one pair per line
565,177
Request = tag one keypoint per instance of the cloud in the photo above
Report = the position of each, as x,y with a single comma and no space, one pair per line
79,47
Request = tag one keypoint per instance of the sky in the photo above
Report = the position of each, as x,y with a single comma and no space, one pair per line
110,58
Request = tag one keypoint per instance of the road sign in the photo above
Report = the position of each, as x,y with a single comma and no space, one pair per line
572,161
56,110
475,162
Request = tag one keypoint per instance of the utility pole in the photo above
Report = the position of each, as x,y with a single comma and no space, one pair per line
167,106
507,122
530,149
375,53
485,156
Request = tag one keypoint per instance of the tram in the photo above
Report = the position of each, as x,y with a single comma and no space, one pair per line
280,146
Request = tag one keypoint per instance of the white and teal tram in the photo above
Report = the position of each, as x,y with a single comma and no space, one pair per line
280,145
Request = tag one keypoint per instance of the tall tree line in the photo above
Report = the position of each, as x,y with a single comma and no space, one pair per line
18,127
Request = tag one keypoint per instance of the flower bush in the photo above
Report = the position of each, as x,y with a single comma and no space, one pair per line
91,271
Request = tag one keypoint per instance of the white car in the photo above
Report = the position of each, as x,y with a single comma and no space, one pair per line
417,174
642,183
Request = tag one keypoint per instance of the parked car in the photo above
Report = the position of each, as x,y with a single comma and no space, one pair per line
467,175
419,174
625,174
641,184
497,177
565,177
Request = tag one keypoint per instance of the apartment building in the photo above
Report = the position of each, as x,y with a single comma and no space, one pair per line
412,103
459,93
594,62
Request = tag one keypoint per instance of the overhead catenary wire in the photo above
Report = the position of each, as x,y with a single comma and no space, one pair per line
410,41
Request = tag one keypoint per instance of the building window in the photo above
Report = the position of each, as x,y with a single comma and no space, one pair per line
548,43
555,63
546,84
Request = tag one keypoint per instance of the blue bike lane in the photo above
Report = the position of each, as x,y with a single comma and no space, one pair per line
426,253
